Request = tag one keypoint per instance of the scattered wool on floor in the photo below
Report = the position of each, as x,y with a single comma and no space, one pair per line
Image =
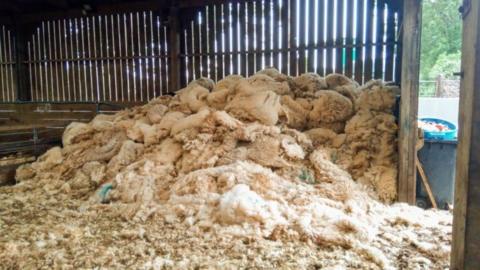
309,163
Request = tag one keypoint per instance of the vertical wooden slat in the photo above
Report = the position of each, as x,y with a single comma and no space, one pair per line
235,39
198,49
226,29
147,56
44,63
134,74
48,64
90,54
30,71
83,91
31,59
258,34
368,61
302,26
359,40
138,49
73,49
350,16
40,64
78,61
250,38
51,58
173,49
389,61
242,45
10,67
211,42
189,49
329,56
36,70
6,64
285,55
311,36
55,57
216,34
117,92
268,16
3,78
320,36
3,66
166,62
68,62
154,57
193,44
184,63
204,42
3,87
398,47
119,32
339,40
161,60
125,53
380,6
293,63
84,55
276,34
165,40
74,63
61,45
104,55
95,55
11,51
102,94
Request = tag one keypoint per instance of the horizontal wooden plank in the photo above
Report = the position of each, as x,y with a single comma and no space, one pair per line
56,114
34,106
31,117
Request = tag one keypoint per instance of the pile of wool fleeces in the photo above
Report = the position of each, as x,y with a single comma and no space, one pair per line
308,161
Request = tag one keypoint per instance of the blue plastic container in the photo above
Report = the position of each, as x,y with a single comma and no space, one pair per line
450,134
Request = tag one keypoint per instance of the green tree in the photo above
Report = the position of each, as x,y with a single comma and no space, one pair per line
446,65
441,37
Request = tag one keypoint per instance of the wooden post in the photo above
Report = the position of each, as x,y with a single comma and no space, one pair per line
174,49
21,71
439,85
466,213
412,16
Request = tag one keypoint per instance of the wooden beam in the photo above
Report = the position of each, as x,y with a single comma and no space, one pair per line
412,10
21,71
97,9
465,252
174,49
